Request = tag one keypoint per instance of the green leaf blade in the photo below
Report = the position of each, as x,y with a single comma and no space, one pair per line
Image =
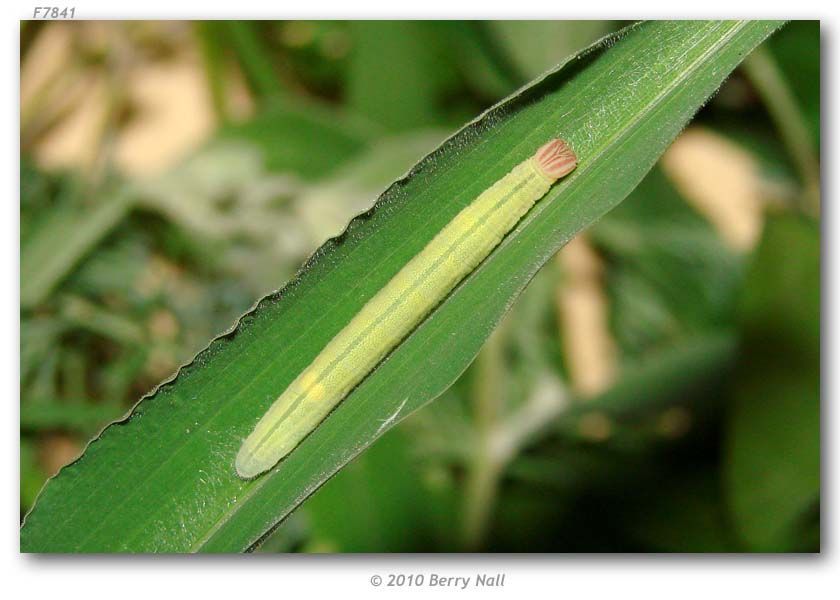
772,459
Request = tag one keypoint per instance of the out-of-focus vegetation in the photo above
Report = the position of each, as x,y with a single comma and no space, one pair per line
174,173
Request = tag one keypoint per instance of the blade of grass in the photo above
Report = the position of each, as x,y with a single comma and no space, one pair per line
768,79
254,58
60,242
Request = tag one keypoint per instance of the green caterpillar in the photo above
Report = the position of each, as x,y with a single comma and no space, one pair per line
397,308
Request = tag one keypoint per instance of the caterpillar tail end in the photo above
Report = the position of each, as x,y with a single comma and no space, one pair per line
555,159
248,466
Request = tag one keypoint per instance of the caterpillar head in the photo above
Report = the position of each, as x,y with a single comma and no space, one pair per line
555,159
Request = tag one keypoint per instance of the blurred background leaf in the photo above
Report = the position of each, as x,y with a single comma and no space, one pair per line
773,442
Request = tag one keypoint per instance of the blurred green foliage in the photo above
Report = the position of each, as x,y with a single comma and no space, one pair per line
709,435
